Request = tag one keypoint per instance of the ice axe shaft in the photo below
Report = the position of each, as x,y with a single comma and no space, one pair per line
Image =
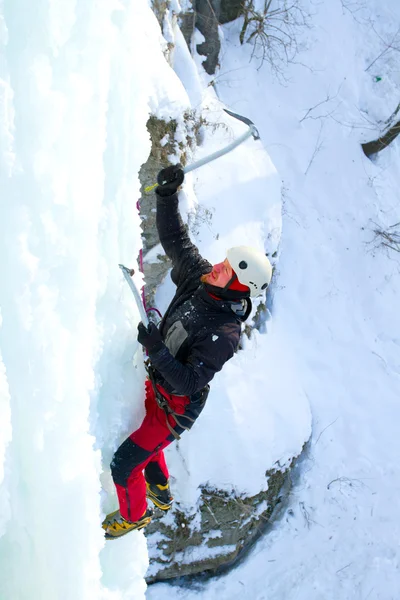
251,132
128,276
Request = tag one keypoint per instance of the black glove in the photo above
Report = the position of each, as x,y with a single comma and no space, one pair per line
150,337
169,180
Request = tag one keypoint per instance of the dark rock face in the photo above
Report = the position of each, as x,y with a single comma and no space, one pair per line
210,14
207,15
163,147
230,10
187,23
154,272
228,526
207,21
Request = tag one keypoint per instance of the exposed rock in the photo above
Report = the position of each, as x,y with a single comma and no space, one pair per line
159,9
230,10
163,146
228,526
159,130
187,23
207,13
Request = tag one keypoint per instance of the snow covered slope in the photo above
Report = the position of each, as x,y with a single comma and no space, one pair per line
337,302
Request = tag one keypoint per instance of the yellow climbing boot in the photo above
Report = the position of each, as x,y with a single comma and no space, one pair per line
160,495
115,525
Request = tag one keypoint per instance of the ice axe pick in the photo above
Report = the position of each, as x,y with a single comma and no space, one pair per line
128,276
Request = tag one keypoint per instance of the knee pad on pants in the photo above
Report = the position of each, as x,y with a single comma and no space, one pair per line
128,456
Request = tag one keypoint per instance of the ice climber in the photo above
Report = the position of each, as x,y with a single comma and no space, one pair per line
200,331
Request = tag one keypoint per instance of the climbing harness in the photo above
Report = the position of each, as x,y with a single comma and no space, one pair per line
164,405
160,399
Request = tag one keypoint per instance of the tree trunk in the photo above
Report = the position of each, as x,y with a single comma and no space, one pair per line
377,145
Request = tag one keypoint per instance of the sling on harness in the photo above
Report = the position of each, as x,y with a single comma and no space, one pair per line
163,404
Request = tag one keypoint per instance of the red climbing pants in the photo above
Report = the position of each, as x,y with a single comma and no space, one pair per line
143,451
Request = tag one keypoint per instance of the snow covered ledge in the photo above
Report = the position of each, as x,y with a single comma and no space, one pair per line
234,469
231,472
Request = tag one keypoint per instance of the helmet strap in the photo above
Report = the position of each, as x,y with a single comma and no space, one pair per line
228,285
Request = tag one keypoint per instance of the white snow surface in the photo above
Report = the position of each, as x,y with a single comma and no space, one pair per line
336,303
78,81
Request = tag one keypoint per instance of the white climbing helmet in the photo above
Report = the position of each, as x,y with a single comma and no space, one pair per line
252,268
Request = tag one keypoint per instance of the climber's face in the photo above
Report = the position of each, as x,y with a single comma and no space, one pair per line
220,274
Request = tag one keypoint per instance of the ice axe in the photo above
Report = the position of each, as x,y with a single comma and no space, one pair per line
251,132
128,276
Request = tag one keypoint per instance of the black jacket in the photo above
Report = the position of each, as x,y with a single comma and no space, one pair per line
200,333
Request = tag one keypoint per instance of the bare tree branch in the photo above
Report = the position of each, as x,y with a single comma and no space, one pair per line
327,99
318,146
273,30
389,46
